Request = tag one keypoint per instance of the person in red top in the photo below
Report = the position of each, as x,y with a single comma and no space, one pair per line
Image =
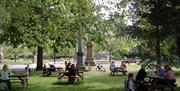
169,74
123,67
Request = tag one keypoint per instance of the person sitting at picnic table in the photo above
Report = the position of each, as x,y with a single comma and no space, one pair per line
44,69
5,73
112,68
141,83
123,67
72,74
28,70
101,68
68,67
169,75
130,83
159,70
51,68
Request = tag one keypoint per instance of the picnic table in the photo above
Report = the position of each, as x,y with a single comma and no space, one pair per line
79,74
155,79
118,71
20,78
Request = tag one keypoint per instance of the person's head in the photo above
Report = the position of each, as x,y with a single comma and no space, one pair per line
5,67
158,66
73,66
167,67
69,64
143,66
130,75
112,62
122,62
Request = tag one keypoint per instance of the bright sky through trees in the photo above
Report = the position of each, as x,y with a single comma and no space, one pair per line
109,7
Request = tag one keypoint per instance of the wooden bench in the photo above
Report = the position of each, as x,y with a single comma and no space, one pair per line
118,71
79,75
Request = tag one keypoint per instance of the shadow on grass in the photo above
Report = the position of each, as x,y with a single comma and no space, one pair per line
66,83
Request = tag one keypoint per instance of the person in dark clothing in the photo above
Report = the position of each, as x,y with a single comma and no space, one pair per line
141,83
52,68
72,74
68,67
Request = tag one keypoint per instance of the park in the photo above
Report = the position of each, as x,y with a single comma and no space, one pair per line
89,45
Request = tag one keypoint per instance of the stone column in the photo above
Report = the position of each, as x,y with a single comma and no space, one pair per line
80,64
89,56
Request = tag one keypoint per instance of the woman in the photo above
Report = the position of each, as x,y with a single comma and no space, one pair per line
72,74
123,67
169,75
5,73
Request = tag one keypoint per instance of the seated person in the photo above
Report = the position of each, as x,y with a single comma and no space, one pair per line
129,83
123,67
159,70
100,68
72,74
141,83
169,74
5,73
112,68
28,70
68,67
51,68
44,69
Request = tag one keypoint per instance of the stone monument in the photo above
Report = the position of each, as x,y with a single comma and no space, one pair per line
80,65
89,56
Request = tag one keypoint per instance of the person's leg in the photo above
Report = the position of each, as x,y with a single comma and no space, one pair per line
9,85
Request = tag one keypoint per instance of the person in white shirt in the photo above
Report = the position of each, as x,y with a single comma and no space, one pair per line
5,73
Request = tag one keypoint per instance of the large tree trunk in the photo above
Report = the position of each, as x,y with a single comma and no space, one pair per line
178,45
39,58
158,50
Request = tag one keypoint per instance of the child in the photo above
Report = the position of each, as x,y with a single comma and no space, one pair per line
129,83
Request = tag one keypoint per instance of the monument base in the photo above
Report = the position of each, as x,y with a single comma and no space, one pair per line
91,61
81,68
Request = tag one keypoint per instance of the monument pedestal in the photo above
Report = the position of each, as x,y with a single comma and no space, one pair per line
91,61
80,65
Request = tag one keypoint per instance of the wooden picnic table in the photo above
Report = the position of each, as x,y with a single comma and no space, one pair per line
118,70
155,80
79,74
19,78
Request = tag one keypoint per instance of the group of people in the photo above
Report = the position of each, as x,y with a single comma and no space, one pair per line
72,71
139,84
122,67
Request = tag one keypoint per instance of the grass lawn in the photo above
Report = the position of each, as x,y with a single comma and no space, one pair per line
93,81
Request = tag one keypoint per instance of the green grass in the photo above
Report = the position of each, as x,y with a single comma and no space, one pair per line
93,81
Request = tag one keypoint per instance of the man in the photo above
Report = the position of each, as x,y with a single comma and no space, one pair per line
141,86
